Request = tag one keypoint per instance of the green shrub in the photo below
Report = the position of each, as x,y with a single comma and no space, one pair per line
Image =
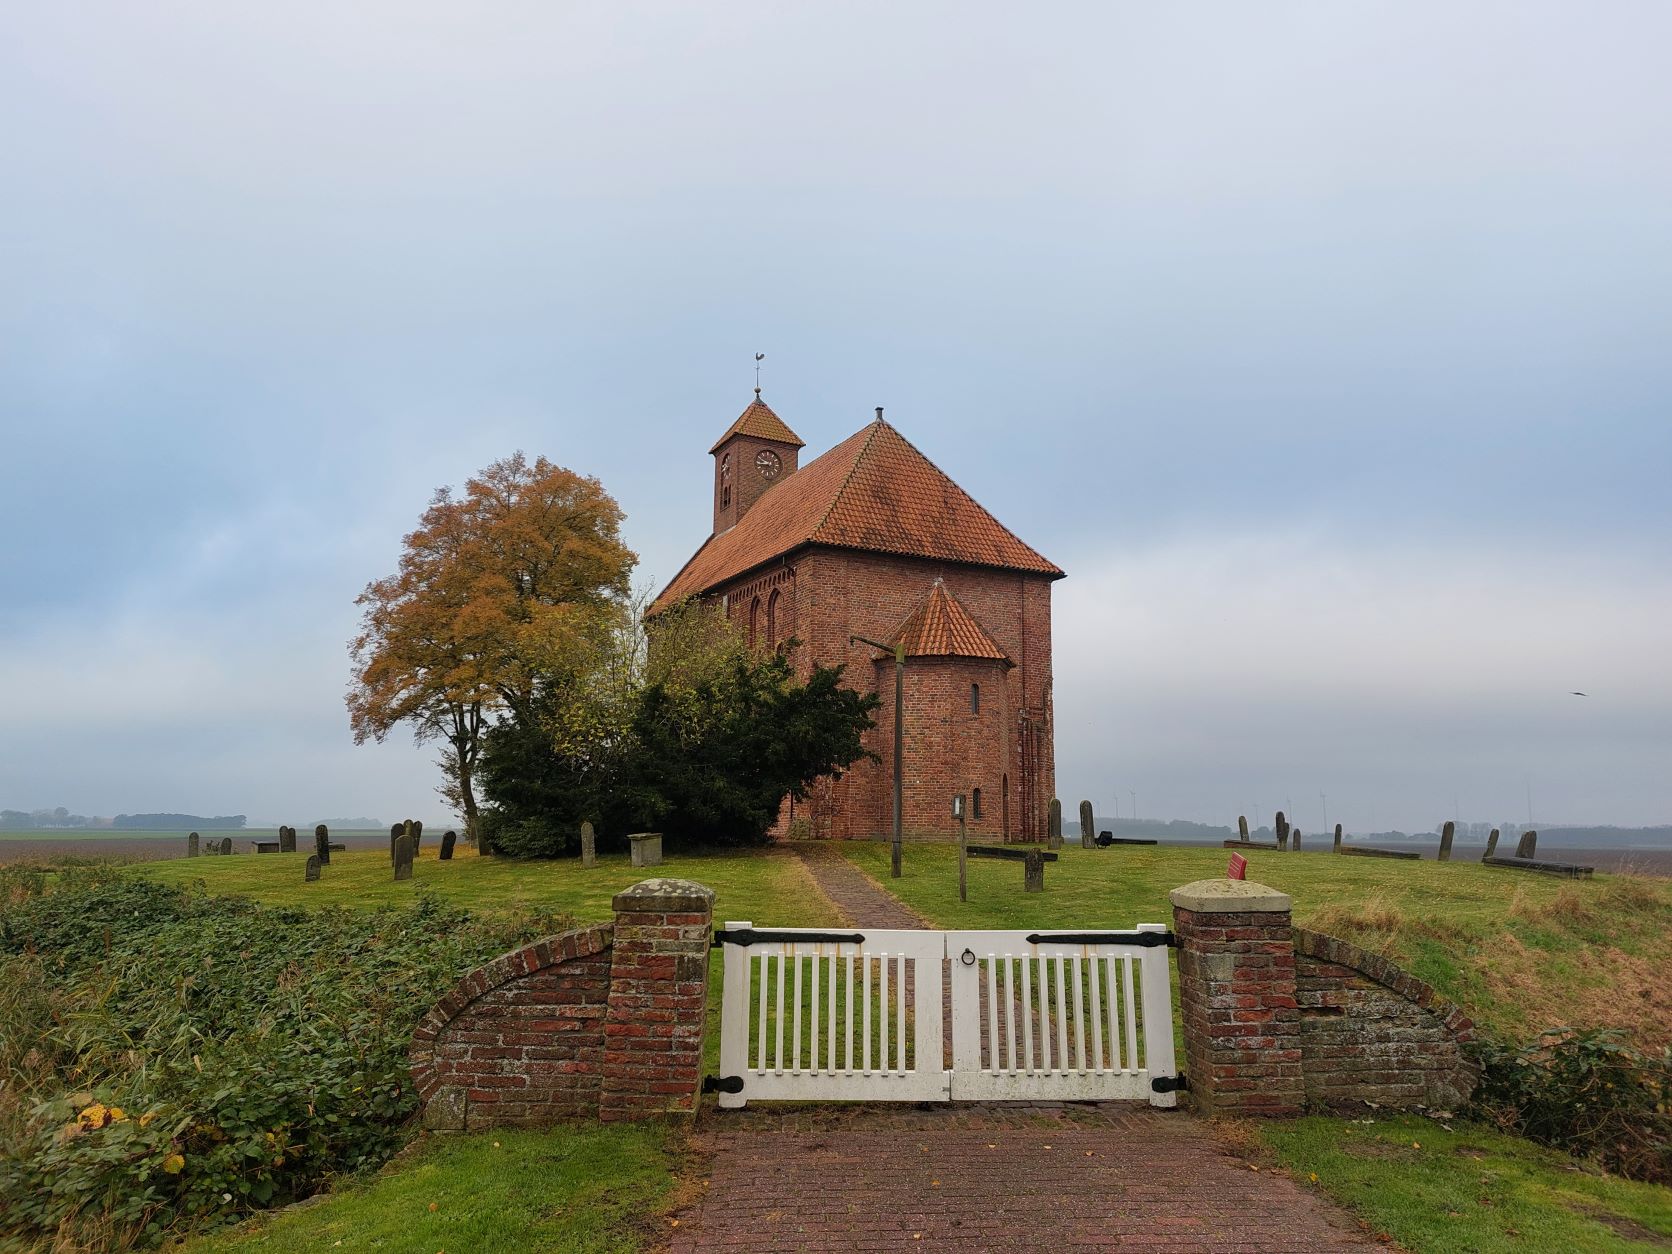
1589,1093
209,1056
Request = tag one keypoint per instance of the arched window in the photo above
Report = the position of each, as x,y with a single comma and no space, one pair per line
975,804
975,698
772,618
754,619
725,480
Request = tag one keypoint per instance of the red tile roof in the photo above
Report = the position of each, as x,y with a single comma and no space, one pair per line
873,491
942,627
758,420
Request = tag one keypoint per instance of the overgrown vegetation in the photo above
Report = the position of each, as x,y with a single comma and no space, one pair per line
1589,1093
173,1059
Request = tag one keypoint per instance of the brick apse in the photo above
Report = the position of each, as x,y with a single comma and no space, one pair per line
872,539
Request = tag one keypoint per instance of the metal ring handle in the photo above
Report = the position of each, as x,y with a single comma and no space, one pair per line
967,957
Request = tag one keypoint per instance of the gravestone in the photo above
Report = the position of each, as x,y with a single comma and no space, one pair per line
1491,845
1338,838
647,848
226,844
287,840
1281,826
403,858
1033,872
1294,837
1087,823
1527,845
312,873
1053,826
1446,834
396,831
417,835
448,840
322,845
1242,828
191,845
589,845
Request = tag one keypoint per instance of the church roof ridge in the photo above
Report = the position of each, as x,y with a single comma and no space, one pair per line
759,420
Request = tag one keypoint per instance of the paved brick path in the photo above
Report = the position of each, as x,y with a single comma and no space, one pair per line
1000,1178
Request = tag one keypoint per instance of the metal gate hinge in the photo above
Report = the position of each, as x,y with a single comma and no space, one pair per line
722,1084
1144,940
1169,1084
746,936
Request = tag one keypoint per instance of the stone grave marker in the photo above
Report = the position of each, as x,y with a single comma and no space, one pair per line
1527,845
191,845
396,831
647,848
1087,822
589,845
1491,845
403,858
448,840
1338,838
417,835
312,872
1033,872
226,844
1294,837
1242,828
322,845
1446,834
287,840
1281,826
1053,829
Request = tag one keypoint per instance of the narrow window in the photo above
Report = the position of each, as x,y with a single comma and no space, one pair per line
975,698
772,618
754,619
975,804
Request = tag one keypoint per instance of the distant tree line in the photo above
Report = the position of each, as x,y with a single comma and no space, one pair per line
35,820
178,822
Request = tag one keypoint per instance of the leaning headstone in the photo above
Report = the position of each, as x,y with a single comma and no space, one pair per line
1087,823
1242,828
1446,834
287,840
1338,838
226,844
1053,825
395,833
322,845
191,845
312,873
1491,845
647,848
448,840
1033,872
403,858
1281,826
589,845
1527,845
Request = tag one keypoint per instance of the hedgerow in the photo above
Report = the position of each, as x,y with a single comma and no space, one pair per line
174,1060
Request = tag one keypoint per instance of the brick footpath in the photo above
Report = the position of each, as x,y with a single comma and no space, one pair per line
1014,1177
861,902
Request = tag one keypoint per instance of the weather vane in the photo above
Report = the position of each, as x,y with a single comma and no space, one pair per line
759,357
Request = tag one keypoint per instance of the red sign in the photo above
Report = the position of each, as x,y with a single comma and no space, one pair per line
1238,870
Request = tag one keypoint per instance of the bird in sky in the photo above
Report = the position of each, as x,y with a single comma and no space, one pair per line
1576,694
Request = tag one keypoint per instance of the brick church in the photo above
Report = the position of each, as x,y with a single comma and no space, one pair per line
872,539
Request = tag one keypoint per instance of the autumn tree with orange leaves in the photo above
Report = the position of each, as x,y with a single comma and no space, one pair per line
502,593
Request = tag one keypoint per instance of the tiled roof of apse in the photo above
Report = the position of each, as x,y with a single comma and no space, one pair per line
941,627
758,420
874,491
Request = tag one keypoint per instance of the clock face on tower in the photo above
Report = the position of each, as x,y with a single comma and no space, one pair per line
766,461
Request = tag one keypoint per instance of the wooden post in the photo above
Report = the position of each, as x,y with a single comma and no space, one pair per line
1446,834
963,846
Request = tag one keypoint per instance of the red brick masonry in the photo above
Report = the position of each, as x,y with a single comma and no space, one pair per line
603,1022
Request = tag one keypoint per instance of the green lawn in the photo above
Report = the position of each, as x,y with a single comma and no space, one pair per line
1464,1187
580,1189
1521,952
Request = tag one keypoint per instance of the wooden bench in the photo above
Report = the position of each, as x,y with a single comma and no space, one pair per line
1033,862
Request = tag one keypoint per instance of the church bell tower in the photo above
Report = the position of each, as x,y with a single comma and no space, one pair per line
757,452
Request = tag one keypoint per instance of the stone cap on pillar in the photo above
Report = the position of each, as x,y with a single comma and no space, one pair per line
1226,896
663,896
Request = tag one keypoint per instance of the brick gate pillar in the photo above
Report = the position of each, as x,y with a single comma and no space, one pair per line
658,1001
1237,997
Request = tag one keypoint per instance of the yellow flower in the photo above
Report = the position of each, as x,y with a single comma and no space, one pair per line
174,1164
95,1116
116,1115
147,1117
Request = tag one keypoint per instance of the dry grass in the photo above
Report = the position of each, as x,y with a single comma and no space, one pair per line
1374,917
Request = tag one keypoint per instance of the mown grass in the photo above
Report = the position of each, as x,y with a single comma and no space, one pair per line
576,1189
1521,952
1461,1186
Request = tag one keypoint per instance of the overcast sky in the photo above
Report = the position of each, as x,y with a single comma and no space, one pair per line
1326,346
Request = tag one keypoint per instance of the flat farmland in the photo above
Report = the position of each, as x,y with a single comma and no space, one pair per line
132,846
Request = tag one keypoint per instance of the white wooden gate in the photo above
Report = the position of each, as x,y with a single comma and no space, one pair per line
814,1015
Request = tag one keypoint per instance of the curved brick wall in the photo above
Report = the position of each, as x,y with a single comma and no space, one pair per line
519,1040
1371,1032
